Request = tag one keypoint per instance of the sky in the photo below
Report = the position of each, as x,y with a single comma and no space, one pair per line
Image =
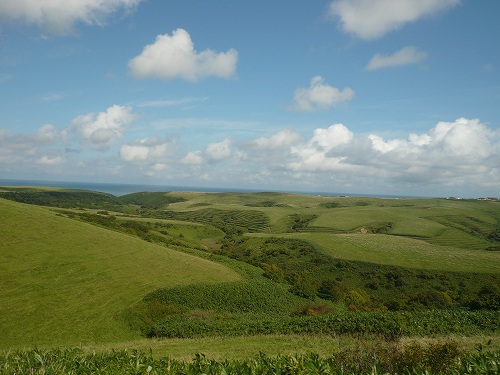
396,97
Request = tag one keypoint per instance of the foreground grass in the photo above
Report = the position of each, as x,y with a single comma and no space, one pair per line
380,358
64,282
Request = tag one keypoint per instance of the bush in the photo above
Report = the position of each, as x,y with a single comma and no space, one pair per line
314,308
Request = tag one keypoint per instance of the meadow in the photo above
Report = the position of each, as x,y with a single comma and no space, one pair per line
233,275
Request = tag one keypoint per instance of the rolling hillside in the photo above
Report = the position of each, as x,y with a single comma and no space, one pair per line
82,272
64,282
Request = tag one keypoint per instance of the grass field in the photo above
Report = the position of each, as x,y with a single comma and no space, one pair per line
438,234
403,252
250,346
63,282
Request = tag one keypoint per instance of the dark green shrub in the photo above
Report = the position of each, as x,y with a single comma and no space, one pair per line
433,299
487,298
332,290
314,308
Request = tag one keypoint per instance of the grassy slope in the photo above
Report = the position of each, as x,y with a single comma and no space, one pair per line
404,252
64,282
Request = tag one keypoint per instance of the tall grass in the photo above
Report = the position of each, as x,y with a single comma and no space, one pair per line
385,358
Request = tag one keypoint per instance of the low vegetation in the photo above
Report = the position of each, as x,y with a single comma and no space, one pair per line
381,358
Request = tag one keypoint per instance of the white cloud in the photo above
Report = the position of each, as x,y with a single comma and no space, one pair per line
219,150
50,160
372,19
105,127
460,153
333,136
153,151
48,133
455,143
464,138
149,157
193,158
405,56
314,155
134,152
175,57
214,152
60,16
279,141
320,96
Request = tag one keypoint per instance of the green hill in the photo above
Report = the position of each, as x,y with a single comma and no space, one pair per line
88,268
65,282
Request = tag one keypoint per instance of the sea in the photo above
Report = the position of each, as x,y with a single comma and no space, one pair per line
119,189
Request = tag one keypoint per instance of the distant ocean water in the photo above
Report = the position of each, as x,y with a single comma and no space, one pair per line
117,189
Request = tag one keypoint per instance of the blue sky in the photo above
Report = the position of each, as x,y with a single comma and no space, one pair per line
345,96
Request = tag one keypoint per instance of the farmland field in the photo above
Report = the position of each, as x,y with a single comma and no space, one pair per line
176,272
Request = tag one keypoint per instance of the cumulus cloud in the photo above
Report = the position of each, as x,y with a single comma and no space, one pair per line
150,156
103,128
193,158
459,153
151,150
451,153
60,16
314,155
372,19
214,152
460,142
320,96
335,135
218,151
279,141
48,133
175,57
405,56
463,154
